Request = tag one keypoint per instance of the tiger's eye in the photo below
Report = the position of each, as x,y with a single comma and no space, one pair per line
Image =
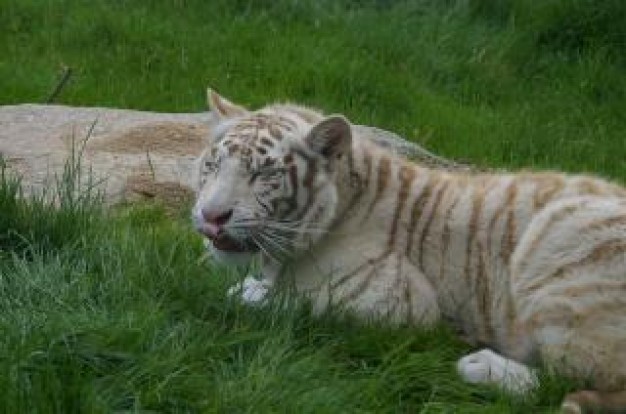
266,173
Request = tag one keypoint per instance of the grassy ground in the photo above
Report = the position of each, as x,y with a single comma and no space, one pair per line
112,311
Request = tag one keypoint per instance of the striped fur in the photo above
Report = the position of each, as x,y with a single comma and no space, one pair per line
529,264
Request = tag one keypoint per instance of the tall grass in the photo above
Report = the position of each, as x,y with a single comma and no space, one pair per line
114,311
61,212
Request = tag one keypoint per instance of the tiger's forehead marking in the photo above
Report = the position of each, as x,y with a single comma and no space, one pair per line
259,140
260,128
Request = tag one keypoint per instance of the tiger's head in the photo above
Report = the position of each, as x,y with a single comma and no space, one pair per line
267,182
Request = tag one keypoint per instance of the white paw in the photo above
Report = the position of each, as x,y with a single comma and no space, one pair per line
487,367
252,290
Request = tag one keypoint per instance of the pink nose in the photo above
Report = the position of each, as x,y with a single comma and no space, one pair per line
219,218
214,222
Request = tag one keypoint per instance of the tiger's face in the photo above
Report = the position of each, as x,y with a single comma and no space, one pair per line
267,182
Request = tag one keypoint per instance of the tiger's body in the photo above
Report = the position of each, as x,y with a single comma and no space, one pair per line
528,264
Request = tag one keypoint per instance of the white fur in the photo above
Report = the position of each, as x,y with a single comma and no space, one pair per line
487,367
252,291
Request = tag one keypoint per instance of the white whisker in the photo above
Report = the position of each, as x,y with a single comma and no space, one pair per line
295,227
281,248
263,248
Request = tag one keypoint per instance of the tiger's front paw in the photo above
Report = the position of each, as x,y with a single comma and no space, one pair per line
252,291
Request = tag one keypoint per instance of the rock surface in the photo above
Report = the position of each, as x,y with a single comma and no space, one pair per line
130,154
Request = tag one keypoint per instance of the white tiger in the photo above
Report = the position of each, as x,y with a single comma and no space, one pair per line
529,264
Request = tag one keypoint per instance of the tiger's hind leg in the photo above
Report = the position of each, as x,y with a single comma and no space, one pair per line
594,402
568,281
488,367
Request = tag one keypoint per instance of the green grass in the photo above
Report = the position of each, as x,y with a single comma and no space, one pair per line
107,311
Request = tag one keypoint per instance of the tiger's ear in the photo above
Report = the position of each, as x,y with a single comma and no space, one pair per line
222,107
331,137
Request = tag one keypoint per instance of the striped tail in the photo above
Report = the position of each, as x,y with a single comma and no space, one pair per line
592,402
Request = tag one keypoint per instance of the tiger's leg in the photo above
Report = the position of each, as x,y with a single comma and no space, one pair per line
254,290
585,346
386,287
488,367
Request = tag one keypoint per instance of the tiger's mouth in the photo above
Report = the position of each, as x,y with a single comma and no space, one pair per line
226,243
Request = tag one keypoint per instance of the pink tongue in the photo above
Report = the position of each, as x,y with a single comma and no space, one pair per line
211,230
